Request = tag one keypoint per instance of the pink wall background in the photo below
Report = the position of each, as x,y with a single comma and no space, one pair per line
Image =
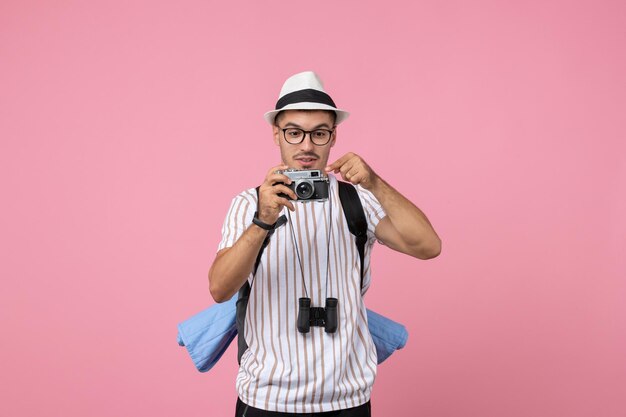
127,127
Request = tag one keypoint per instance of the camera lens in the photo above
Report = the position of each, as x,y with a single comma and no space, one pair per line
304,190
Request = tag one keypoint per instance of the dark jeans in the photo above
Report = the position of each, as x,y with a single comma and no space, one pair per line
243,410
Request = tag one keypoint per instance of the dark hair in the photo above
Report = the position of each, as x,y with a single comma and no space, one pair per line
332,114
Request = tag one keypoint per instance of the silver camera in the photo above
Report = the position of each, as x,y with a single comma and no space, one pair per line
308,184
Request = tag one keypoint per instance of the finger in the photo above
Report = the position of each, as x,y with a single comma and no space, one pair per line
273,179
281,202
287,203
271,196
279,188
356,175
273,170
356,179
354,170
335,166
347,168
347,177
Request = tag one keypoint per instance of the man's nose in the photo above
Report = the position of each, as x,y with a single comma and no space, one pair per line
307,143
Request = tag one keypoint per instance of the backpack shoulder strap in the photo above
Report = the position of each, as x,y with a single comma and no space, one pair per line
240,318
355,216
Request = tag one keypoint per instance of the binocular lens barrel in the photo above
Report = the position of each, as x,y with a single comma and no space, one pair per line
331,315
303,315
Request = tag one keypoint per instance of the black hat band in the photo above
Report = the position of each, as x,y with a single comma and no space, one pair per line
309,95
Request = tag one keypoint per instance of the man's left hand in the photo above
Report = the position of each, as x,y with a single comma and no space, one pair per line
355,170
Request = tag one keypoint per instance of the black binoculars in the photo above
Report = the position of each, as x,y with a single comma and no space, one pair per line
317,316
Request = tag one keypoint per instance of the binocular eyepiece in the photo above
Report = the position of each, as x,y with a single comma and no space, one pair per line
317,316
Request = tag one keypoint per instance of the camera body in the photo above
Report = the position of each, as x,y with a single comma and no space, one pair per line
308,184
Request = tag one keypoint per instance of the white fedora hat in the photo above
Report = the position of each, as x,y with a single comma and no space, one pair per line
304,91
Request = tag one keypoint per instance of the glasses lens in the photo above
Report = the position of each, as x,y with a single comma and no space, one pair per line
320,137
293,135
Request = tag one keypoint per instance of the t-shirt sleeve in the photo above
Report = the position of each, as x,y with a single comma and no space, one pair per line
238,219
374,212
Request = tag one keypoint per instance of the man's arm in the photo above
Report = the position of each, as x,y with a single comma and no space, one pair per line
405,228
233,265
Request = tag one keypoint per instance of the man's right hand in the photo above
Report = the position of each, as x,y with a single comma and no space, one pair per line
270,202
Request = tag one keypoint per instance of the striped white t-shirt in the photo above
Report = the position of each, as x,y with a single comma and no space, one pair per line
287,371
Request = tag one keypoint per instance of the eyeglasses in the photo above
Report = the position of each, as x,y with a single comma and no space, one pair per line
319,137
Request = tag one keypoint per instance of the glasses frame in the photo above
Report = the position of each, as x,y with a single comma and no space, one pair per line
310,132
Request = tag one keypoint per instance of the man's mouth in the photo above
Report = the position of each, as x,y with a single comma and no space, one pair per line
306,160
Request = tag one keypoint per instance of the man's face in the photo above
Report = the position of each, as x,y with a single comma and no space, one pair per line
305,155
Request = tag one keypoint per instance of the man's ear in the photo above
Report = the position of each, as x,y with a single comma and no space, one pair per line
332,142
276,132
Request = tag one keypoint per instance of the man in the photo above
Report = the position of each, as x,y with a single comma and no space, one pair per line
312,255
